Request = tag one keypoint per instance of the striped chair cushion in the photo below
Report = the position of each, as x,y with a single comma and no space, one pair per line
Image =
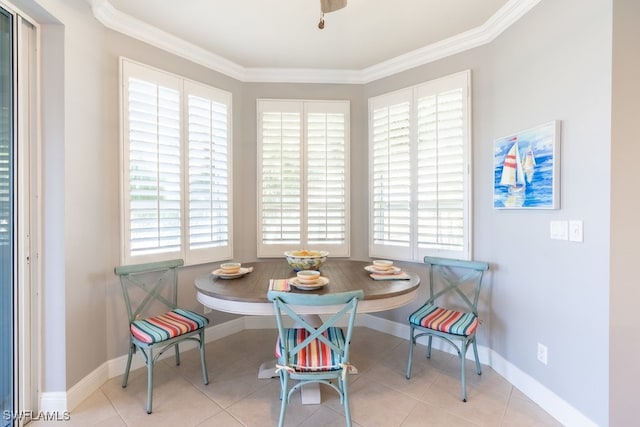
317,356
431,316
168,325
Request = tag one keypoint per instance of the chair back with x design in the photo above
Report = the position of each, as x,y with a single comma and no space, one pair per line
156,322
451,312
310,352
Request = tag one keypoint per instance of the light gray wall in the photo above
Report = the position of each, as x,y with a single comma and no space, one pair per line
552,64
245,217
624,347
52,286
73,255
117,45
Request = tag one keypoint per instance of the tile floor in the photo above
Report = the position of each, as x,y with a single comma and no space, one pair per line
380,394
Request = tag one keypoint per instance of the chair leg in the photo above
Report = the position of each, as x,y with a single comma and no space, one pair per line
475,352
410,358
177,355
284,380
125,377
203,360
150,362
345,398
429,346
462,354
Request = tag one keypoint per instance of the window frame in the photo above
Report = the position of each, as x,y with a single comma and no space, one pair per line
412,94
185,87
304,108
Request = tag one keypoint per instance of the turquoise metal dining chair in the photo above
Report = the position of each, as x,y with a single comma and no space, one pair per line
451,312
156,284
314,354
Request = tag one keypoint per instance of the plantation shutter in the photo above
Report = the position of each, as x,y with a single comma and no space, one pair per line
326,174
281,164
154,170
420,171
441,171
176,158
303,176
391,174
208,171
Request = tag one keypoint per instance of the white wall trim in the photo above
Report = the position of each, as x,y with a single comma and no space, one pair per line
54,401
549,401
118,21
60,401
545,398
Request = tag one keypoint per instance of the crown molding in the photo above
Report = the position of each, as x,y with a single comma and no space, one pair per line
302,75
506,16
112,18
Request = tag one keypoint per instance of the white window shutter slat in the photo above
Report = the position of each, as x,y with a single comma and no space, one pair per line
391,177
208,173
326,186
176,167
441,194
154,168
303,176
281,188
420,171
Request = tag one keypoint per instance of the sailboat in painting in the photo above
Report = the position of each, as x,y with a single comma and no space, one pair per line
513,174
528,165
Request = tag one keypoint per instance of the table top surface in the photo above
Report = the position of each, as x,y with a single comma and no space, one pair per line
344,275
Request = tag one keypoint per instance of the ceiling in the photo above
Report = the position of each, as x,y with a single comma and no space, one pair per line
248,35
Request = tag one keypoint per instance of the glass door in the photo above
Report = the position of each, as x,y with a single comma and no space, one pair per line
7,298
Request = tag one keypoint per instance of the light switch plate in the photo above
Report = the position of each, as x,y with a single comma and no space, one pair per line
575,231
559,230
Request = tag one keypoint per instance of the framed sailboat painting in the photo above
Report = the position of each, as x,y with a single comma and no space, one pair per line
526,169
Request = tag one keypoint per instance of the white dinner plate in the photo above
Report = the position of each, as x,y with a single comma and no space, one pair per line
240,273
308,286
373,269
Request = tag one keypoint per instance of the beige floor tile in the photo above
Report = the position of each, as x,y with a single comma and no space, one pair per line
94,410
522,412
424,414
374,404
380,395
175,400
221,419
326,417
262,408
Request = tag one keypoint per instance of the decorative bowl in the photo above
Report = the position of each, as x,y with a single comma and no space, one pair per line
383,264
305,259
230,267
308,276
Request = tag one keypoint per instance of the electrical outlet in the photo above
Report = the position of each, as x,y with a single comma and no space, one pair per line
542,353
206,310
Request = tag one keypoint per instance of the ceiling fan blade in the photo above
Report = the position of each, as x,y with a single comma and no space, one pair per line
332,5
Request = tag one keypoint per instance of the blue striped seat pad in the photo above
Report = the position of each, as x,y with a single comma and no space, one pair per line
317,356
431,316
168,325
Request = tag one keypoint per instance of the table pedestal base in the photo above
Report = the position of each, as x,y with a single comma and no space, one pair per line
267,370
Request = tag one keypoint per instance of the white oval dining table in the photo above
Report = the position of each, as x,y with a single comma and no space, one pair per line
247,295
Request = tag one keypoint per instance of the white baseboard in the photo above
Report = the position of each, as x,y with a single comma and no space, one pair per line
55,401
553,404
549,401
61,401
